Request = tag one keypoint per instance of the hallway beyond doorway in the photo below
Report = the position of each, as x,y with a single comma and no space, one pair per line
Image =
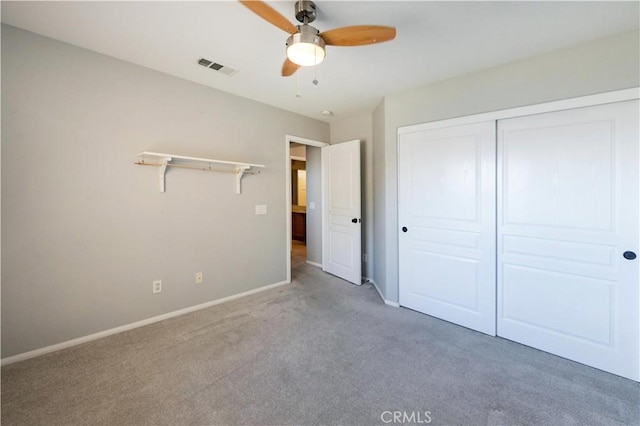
298,253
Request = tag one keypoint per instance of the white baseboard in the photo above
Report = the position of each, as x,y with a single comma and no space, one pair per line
314,264
131,326
386,302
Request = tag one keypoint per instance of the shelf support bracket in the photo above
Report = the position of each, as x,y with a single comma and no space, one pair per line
239,173
163,170
166,160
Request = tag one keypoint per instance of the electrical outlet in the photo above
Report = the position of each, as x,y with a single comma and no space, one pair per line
365,257
199,277
157,286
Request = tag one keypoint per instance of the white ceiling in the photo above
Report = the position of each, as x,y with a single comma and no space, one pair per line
435,41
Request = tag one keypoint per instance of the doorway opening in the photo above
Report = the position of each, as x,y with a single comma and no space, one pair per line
303,202
298,204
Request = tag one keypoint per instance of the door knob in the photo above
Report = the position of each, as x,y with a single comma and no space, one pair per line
629,255
354,220
404,229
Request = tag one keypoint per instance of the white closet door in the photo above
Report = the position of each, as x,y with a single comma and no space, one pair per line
568,211
447,220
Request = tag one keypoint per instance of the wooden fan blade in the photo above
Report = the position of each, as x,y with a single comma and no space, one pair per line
269,14
358,35
288,68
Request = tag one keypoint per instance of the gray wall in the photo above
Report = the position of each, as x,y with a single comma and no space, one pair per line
85,231
595,67
348,129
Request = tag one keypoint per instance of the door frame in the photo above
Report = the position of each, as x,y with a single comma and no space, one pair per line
552,106
304,141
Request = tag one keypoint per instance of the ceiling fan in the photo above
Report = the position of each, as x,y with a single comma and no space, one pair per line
306,45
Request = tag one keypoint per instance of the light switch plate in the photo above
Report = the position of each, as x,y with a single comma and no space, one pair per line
312,205
261,209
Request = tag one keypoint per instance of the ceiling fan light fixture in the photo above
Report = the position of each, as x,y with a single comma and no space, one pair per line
306,47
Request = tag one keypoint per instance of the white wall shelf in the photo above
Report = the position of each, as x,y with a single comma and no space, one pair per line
206,164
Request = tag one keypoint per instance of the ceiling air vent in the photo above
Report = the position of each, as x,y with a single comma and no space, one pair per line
217,67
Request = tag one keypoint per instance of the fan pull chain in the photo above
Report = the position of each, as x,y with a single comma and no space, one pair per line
315,68
298,96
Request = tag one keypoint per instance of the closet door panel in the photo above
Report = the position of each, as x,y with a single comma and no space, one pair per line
447,220
567,211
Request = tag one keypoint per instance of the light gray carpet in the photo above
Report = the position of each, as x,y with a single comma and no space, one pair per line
318,351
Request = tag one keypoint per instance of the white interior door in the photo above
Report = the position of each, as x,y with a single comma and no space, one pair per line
447,219
341,218
568,196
